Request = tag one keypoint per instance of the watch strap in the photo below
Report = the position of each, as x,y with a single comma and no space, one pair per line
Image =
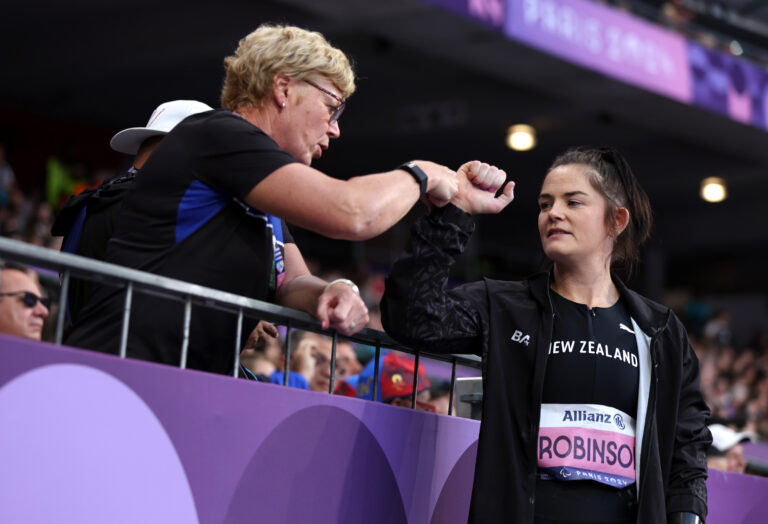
418,174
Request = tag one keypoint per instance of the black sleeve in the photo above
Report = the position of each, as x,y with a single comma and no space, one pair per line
287,236
236,155
687,491
416,307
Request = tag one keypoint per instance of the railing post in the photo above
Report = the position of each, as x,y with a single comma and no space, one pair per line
287,365
238,336
415,380
453,386
185,339
333,362
126,320
62,308
376,357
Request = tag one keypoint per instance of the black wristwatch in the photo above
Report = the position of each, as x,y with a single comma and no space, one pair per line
418,174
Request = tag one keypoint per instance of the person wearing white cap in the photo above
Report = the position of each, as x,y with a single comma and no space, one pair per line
206,208
135,140
87,220
726,452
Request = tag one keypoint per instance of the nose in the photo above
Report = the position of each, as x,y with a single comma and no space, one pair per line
334,131
555,212
40,310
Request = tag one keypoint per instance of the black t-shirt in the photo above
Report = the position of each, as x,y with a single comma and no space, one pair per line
186,219
592,359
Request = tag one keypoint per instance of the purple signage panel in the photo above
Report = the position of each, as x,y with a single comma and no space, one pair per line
87,438
488,12
605,40
729,86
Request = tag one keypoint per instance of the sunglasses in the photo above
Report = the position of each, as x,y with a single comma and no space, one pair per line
335,112
28,298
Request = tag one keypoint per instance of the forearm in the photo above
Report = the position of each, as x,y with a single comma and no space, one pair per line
355,209
369,205
416,308
301,293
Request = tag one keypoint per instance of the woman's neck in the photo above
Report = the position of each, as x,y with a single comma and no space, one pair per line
590,286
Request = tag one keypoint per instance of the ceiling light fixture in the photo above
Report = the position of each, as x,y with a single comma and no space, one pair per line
521,137
713,189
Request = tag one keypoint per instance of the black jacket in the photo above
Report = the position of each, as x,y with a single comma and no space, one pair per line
87,221
509,324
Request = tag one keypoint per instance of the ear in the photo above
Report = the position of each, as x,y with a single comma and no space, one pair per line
620,220
280,84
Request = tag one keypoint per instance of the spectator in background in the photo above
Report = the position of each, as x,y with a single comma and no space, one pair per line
397,382
253,359
311,356
7,178
22,308
440,394
87,220
726,452
264,341
718,329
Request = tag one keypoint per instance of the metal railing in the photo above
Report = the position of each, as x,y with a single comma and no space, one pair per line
133,281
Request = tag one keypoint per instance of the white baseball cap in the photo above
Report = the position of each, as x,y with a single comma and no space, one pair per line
163,119
724,438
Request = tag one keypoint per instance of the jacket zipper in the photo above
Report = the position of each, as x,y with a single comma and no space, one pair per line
650,413
534,428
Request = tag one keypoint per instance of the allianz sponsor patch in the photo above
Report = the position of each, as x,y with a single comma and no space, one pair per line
587,442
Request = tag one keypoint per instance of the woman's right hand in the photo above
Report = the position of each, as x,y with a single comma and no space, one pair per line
478,184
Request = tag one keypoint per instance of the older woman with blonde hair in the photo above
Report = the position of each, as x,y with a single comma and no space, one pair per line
211,203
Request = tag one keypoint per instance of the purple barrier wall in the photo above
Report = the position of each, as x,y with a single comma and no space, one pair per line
88,438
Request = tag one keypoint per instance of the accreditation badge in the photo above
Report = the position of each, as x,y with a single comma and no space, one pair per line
586,442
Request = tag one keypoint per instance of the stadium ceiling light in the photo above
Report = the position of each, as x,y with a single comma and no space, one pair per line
713,189
521,137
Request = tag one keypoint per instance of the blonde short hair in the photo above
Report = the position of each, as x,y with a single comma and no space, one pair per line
277,49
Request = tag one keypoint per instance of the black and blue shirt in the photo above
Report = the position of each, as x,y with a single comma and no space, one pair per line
186,219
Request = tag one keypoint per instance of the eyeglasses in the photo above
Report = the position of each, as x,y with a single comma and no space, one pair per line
335,112
29,299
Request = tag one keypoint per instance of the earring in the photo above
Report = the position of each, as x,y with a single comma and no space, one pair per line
283,103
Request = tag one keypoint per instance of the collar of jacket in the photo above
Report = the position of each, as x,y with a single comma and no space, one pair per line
650,316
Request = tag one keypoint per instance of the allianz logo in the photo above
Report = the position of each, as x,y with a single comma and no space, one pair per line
582,415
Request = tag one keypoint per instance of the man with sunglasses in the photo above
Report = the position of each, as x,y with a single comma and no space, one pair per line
22,308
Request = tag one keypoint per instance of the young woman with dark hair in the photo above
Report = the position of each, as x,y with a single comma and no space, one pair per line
592,408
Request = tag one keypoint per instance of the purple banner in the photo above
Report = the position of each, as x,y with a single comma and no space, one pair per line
605,40
488,12
88,438
729,86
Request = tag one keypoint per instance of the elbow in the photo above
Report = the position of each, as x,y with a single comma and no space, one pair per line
357,222
361,228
